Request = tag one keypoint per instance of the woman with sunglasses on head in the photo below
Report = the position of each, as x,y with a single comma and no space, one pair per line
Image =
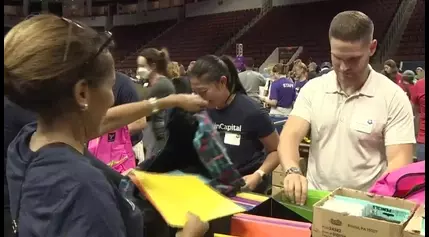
64,72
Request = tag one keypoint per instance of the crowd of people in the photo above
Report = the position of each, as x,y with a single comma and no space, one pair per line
62,90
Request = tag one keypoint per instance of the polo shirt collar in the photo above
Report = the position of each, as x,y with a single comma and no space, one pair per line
368,89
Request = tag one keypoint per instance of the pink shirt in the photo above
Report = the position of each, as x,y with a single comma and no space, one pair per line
418,99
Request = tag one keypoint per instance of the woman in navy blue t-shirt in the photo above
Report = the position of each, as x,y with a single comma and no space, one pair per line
245,127
63,71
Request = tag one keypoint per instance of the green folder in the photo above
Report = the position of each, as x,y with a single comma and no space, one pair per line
305,211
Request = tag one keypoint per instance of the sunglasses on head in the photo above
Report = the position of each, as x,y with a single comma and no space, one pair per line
108,34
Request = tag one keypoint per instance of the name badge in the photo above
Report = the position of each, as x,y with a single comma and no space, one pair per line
232,139
362,126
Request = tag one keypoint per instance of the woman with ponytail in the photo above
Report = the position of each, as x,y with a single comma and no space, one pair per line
246,129
152,67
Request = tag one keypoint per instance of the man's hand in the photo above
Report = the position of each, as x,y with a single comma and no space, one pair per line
296,187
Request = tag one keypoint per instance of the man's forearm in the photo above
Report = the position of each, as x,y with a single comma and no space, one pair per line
399,156
397,163
288,153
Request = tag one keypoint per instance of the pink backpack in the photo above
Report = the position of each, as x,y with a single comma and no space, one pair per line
407,182
115,149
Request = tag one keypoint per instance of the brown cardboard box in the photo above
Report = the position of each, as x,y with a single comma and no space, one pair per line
277,178
278,169
275,190
327,223
412,229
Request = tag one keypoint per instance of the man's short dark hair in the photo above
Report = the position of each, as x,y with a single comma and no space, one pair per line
351,26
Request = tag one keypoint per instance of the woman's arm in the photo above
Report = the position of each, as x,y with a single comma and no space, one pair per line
272,99
272,160
271,103
261,123
123,115
271,143
137,126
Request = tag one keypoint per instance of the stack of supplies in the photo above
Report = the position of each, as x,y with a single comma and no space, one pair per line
352,213
363,208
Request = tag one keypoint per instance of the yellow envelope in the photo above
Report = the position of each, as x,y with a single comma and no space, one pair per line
174,196
220,235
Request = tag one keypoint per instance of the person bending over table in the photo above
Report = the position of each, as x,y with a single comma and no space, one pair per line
361,122
246,129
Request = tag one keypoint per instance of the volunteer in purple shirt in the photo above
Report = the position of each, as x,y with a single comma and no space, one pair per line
282,92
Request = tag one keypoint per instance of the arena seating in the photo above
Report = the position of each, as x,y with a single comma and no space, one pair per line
131,37
6,29
199,35
305,25
412,45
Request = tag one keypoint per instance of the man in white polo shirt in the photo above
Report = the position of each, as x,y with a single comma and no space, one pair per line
361,122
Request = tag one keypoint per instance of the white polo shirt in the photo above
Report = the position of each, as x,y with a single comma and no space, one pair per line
349,134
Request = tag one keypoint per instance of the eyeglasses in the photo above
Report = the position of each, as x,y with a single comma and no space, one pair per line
109,39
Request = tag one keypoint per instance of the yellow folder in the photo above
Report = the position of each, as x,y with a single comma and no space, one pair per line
220,235
174,196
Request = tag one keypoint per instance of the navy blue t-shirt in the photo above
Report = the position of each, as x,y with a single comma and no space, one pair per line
243,122
15,118
59,191
125,92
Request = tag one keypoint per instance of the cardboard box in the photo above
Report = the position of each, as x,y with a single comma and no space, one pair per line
277,179
412,229
327,223
278,169
275,190
304,149
303,163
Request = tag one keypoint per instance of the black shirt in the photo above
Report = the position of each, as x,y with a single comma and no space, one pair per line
243,122
125,92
